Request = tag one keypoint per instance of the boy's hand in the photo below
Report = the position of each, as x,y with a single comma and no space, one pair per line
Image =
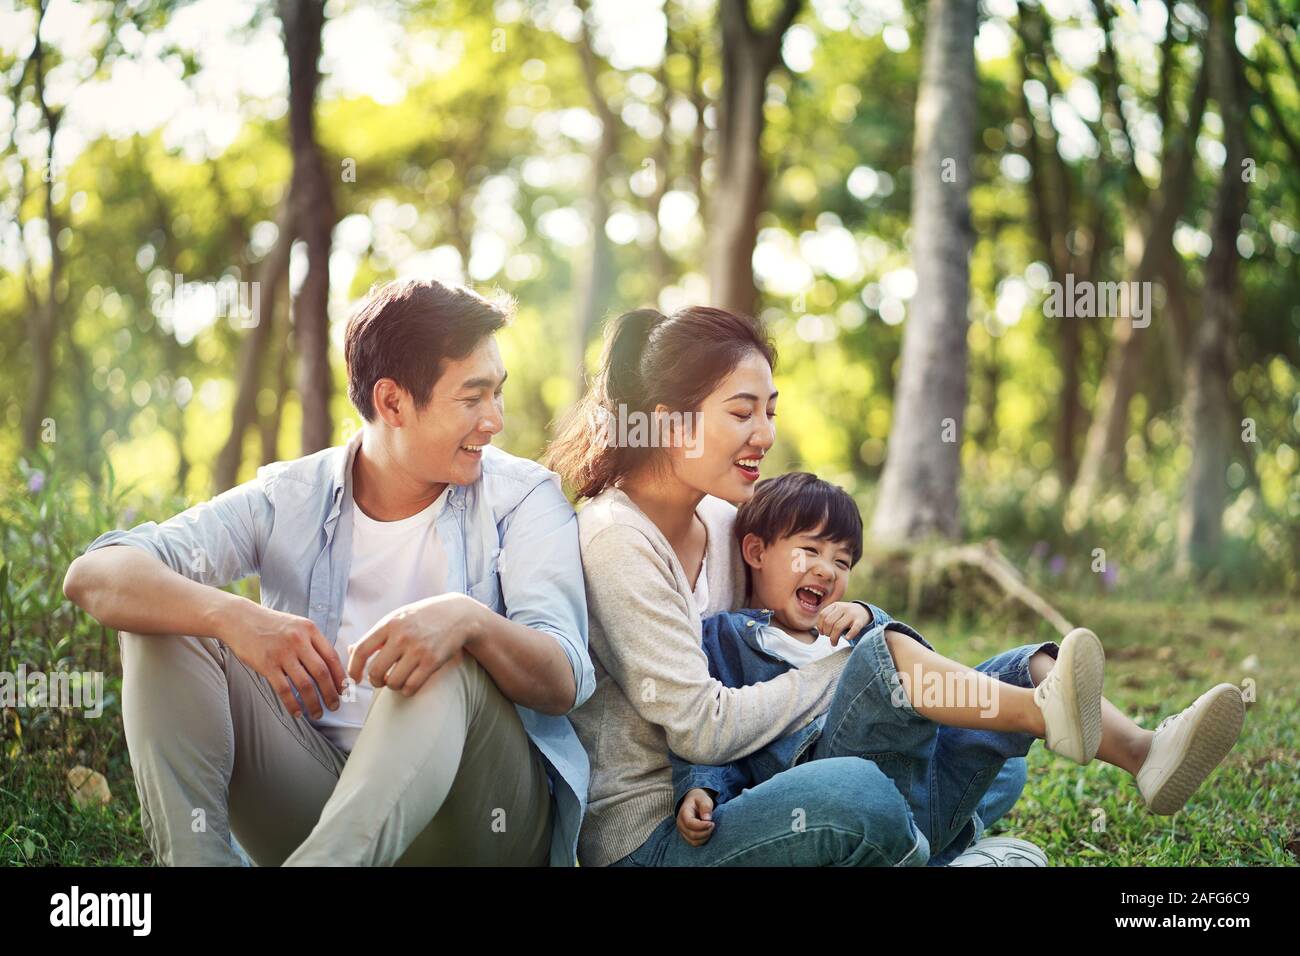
695,818
842,619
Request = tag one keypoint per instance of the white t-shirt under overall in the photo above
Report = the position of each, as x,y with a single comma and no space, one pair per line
796,653
394,563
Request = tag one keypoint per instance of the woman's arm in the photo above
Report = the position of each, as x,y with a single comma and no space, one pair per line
650,646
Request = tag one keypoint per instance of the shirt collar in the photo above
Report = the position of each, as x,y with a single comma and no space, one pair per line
341,478
342,473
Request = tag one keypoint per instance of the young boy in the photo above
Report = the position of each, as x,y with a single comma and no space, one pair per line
939,730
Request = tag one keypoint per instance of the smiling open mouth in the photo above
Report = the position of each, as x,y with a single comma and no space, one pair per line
473,449
810,598
749,468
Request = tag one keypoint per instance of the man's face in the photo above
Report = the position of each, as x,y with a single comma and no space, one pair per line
443,442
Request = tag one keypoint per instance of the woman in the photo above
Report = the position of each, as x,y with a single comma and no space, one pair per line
658,555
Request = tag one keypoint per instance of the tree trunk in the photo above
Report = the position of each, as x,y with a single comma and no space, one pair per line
1145,245
748,58
1209,398
660,267
314,217
596,278
1051,187
271,271
43,319
281,340
918,494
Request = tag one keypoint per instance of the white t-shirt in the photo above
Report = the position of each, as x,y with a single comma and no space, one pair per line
394,563
701,590
796,653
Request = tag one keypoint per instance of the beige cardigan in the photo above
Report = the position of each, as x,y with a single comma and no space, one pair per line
653,689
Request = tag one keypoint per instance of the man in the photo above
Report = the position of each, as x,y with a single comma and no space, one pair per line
444,572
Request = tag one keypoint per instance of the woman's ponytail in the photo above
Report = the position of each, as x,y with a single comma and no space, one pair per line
619,380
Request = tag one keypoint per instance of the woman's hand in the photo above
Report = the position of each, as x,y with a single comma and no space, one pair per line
842,619
695,818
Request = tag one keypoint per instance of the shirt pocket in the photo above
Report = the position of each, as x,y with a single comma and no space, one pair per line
487,588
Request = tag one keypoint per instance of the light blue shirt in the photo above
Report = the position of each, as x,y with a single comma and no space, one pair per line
511,540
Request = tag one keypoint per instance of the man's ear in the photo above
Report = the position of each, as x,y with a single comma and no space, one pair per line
753,550
392,403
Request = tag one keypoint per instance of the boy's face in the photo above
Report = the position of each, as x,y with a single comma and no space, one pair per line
796,576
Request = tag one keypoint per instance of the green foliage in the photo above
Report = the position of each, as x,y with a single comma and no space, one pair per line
47,517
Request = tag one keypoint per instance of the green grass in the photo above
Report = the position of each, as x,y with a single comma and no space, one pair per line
1160,656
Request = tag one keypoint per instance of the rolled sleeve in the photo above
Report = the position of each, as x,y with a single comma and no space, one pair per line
540,566
216,542
726,782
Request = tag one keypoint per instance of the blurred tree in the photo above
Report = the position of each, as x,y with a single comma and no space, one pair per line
1148,233
594,282
43,316
749,55
313,217
251,369
1209,402
918,490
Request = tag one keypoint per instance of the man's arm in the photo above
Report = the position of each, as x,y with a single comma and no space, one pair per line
542,587
165,579
128,589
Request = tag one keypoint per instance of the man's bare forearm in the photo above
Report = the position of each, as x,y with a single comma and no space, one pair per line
528,666
128,590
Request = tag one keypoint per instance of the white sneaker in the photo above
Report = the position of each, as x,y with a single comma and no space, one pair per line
1001,851
1070,697
1188,746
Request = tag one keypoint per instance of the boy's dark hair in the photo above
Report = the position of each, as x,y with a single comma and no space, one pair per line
799,503
405,329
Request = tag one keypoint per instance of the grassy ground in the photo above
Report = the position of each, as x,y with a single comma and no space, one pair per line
1161,655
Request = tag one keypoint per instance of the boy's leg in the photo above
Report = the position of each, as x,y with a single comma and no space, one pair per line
213,749
833,812
447,776
943,772
871,718
968,764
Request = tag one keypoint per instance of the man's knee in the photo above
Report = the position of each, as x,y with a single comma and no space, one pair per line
145,653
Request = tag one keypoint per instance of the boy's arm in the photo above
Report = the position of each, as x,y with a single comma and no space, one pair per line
724,782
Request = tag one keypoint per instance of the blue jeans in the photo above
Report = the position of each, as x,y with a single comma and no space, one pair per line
841,811
882,786
956,781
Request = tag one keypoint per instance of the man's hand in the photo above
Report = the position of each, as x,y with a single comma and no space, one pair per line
842,619
410,644
695,818
289,651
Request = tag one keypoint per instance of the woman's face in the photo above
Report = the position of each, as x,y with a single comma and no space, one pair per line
734,429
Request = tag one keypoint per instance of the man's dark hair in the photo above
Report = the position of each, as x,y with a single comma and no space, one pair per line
406,329
799,503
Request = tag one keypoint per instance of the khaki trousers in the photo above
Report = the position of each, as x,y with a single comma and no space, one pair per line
446,777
